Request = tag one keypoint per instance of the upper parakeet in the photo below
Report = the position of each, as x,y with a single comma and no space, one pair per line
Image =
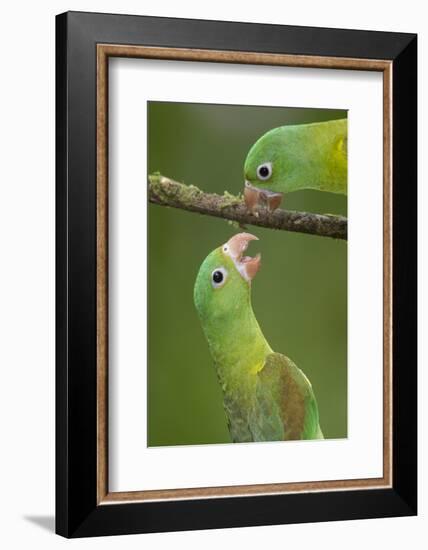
266,396
290,158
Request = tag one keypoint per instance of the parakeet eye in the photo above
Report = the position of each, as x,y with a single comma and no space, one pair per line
264,171
218,277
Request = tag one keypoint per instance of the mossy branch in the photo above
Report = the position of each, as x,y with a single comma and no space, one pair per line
167,192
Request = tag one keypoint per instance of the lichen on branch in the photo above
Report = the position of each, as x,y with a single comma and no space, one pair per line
167,192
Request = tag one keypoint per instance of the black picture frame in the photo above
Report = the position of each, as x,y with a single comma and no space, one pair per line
78,513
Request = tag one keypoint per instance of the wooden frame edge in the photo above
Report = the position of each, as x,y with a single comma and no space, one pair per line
241,57
387,275
102,274
104,51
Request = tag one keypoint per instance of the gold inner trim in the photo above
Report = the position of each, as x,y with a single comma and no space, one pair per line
104,51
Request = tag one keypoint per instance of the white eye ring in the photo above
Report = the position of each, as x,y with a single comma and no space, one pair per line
218,277
264,171
226,248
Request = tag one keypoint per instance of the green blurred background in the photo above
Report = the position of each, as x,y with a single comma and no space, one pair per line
299,295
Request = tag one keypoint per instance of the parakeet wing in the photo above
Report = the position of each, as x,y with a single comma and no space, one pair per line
286,408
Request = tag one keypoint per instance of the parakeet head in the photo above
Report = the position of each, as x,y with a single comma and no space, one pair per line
223,283
269,168
260,162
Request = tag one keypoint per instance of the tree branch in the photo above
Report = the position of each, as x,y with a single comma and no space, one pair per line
167,192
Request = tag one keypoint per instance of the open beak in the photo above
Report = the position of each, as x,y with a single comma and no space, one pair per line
254,196
235,247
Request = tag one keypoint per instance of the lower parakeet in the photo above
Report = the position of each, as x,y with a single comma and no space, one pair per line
295,157
266,396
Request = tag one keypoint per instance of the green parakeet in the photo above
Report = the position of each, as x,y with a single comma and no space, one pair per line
266,397
290,158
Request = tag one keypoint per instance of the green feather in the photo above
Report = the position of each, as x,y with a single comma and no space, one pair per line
282,383
305,156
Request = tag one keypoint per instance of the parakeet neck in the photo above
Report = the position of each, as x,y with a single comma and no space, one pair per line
312,156
326,147
238,347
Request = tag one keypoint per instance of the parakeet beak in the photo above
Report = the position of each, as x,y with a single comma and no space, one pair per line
235,247
254,196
